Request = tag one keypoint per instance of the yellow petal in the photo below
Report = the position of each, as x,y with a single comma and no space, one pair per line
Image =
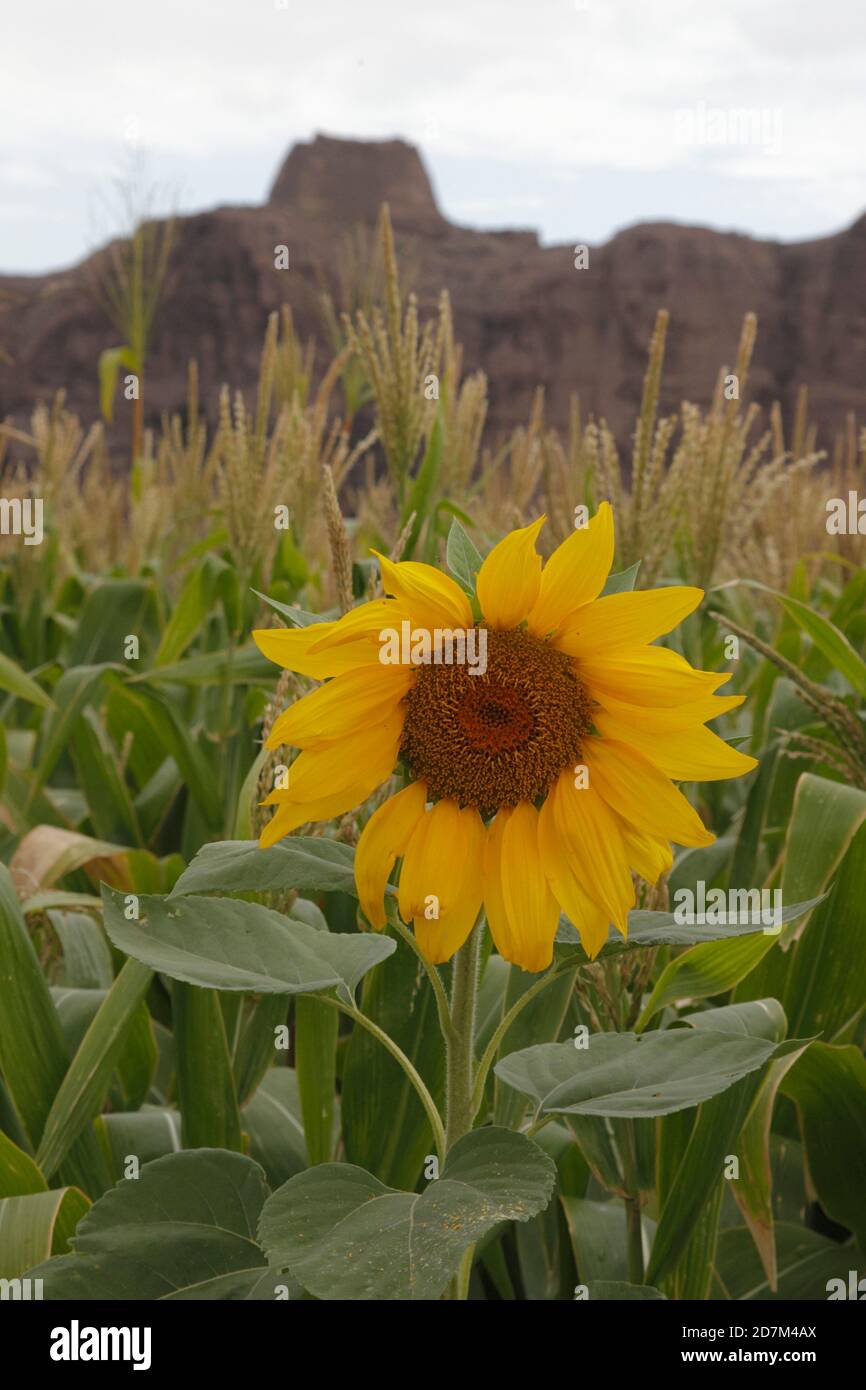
663,720
441,879
593,843
383,839
521,910
646,676
648,856
686,755
494,901
364,623
639,792
431,598
439,940
591,922
626,620
358,698
575,574
510,577
332,767
292,814
289,647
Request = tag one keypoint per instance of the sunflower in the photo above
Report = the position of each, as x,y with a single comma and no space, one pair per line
535,788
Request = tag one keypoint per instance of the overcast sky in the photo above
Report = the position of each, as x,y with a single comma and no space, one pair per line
575,117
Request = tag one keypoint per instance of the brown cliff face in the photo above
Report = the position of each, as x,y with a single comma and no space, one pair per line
524,314
350,179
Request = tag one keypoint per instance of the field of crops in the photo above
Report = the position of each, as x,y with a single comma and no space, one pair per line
501,1045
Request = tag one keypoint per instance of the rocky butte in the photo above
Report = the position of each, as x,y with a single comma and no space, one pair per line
524,314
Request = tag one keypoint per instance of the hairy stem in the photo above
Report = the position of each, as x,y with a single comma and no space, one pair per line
505,1023
400,1057
429,970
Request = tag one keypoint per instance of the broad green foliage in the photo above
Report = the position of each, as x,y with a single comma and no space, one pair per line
626,1075
217,1083
344,1234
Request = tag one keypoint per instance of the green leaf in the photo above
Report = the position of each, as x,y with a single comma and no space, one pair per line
540,1254
19,684
37,1226
828,1086
76,1009
226,944
112,610
632,1075
316,1029
623,582
58,897
759,1018
86,1082
180,1229
807,1262
98,773
620,1292
110,363
344,1234
272,1119
716,966
424,485
75,689
692,1277
205,1084
193,604
825,818
598,1238
462,557
240,866
86,954
385,1128
137,1063
749,840
18,1173
149,1133
33,1055
601,1141
296,617
663,929
753,1188
243,666
158,716
254,1052
540,1021
823,987
248,795
825,635
713,1136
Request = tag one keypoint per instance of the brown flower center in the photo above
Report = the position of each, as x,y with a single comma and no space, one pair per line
496,739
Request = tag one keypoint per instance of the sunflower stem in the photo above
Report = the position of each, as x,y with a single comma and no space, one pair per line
537,1124
505,1023
400,1057
430,971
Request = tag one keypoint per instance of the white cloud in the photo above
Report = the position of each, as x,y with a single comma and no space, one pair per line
554,89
